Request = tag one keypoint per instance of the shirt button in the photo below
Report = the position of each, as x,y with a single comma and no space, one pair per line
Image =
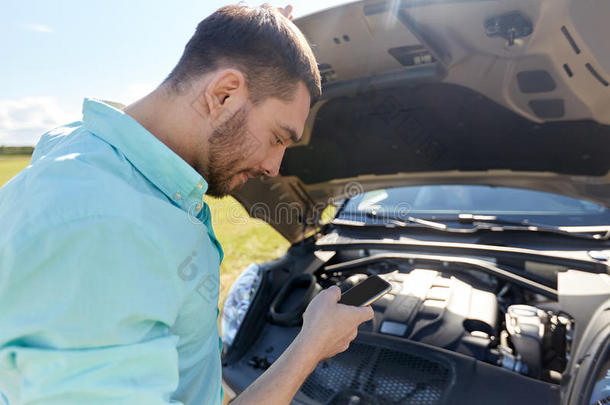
200,184
177,196
198,207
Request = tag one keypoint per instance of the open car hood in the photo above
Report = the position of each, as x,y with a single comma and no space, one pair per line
504,93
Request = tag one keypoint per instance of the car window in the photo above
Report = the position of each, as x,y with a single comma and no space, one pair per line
441,200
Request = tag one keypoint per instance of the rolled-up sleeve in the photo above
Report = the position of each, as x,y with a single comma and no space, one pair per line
86,308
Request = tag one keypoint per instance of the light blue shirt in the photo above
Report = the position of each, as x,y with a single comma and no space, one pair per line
109,272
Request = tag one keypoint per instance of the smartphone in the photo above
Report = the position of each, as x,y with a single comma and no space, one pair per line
365,292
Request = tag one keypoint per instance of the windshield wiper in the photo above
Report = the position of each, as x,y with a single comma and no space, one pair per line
479,222
491,222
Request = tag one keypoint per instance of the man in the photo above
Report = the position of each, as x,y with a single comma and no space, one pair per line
96,306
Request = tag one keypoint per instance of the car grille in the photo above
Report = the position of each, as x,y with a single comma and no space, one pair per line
375,375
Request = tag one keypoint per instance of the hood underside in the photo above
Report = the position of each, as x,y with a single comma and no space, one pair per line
429,93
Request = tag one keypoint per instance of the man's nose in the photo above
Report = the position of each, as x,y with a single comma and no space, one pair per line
271,165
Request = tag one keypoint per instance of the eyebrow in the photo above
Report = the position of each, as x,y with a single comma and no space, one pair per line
291,132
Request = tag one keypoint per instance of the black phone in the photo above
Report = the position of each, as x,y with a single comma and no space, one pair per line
365,292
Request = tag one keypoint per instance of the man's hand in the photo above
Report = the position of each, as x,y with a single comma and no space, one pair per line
329,327
286,11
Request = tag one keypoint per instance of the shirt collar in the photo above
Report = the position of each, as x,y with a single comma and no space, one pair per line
158,163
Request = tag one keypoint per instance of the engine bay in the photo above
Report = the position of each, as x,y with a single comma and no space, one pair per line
450,327
515,330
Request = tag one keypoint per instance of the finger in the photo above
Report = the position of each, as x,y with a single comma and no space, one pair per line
334,292
359,315
366,313
286,11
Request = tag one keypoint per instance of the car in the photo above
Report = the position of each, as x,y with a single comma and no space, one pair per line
461,152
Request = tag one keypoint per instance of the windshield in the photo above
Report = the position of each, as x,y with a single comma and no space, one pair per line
448,201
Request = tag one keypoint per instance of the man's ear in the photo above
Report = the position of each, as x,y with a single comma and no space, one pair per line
225,92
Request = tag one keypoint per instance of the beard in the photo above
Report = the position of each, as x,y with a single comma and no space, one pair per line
229,144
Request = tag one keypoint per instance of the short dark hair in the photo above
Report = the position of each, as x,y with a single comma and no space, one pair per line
263,44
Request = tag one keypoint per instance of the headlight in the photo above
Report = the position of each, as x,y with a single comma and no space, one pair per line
238,301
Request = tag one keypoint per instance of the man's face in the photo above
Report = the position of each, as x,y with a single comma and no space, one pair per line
251,141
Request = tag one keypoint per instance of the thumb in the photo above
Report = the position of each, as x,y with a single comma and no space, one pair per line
366,313
334,292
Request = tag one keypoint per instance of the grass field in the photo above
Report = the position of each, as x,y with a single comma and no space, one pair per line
10,165
244,239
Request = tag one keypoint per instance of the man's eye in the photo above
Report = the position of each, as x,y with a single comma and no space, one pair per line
278,141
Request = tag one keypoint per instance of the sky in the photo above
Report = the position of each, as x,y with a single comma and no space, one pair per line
55,53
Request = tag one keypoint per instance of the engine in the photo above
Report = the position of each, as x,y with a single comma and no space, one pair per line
446,323
457,309
473,317
437,309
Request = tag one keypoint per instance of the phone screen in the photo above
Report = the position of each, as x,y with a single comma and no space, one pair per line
365,292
